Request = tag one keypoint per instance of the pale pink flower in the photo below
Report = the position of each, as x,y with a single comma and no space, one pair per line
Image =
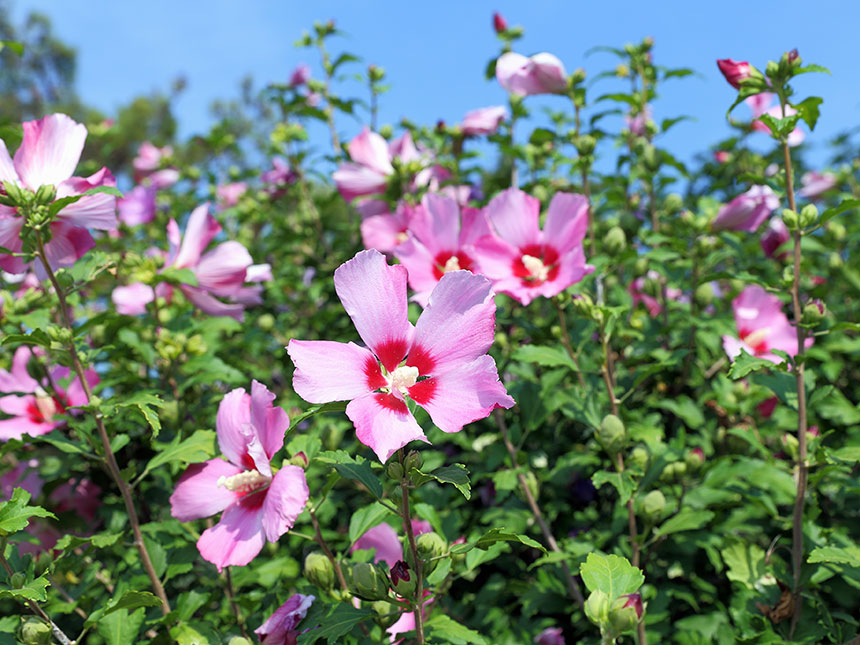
734,71
369,169
440,241
550,636
47,156
382,230
524,261
774,237
229,194
761,104
539,74
484,120
32,410
149,157
722,156
637,124
138,206
257,503
131,300
814,184
164,178
383,539
300,75
441,364
762,326
747,211
280,627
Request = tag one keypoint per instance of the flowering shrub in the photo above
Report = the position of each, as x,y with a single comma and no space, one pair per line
391,391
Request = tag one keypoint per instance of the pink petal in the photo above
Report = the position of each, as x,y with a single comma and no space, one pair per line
419,263
93,211
10,238
221,271
132,299
238,537
484,120
404,148
383,539
50,150
463,395
509,72
270,421
18,427
354,180
259,273
236,436
209,305
382,232
138,206
68,244
201,228
437,225
285,499
197,493
280,627
571,269
383,423
457,326
330,371
495,258
7,168
75,392
18,379
566,221
474,226
374,296
514,216
165,178
371,150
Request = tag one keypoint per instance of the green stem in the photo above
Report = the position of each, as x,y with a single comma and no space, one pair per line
418,606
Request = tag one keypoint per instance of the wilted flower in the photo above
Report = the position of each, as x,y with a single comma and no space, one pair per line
539,74
747,211
483,120
280,627
734,71
441,364
258,504
524,261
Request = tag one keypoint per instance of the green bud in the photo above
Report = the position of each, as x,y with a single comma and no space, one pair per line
46,194
653,506
430,546
837,230
638,458
673,203
705,243
640,267
650,158
694,459
15,193
35,631
394,470
403,579
813,313
266,322
386,613
612,434
808,215
788,276
772,68
532,483
791,219
318,570
578,75
615,241
597,607
196,345
623,616
834,260
17,580
704,295
386,131
583,305
622,71
413,460
369,581
239,640
585,144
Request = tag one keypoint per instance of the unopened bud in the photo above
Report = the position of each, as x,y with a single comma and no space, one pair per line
813,312
386,613
394,470
318,570
585,144
402,579
499,22
650,158
612,434
626,613
834,260
299,459
615,241
653,506
239,640
578,76
597,607
622,71
673,203
46,194
695,458
430,546
808,215
266,322
772,68
413,460
34,631
369,582
704,294
638,458
791,219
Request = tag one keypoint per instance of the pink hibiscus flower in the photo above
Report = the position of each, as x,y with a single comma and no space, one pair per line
539,74
815,184
229,194
280,176
762,326
300,75
147,166
32,410
775,235
258,503
280,627
440,242
382,230
761,104
138,206
747,211
47,156
652,304
525,262
483,120
383,539
441,364
734,71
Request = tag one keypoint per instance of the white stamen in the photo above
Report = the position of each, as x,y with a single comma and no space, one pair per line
757,337
244,481
453,264
403,378
45,404
402,237
535,267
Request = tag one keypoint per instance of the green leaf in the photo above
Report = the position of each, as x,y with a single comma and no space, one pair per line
18,48
812,68
357,469
844,207
745,562
335,623
611,574
128,600
686,520
442,628
455,474
185,634
500,535
545,356
366,518
200,446
685,409
849,555
782,384
744,363
335,406
120,627
15,514
809,111
175,276
623,483
780,128
33,590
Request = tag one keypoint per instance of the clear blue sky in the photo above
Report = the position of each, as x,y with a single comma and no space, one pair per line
435,52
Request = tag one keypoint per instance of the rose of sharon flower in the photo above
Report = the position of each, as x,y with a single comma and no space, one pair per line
747,211
138,206
550,636
483,120
734,71
47,156
814,184
146,166
300,75
540,74
280,627
258,503
774,237
280,176
440,242
382,230
441,363
383,539
761,104
762,326
369,169
35,412
229,194
525,262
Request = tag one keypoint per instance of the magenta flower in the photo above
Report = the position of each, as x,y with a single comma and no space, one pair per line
149,158
383,539
734,71
278,177
774,237
441,364
31,409
300,75
382,230
369,169
499,22
138,206
747,211
815,184
483,120
440,242
540,74
280,627
47,156
258,503
762,326
550,636
762,104
525,262
229,194
637,124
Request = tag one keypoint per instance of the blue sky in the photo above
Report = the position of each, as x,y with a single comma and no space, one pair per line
435,53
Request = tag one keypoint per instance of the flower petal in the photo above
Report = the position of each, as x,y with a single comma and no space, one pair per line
370,149
18,379
463,395
50,150
514,215
330,371
282,624
18,427
285,499
374,296
222,270
270,421
566,221
93,211
383,423
210,305
238,537
68,244
201,228
10,238
197,492
131,300
437,224
354,180
383,539
233,427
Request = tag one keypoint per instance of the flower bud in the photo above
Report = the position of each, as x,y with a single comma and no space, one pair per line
402,580
578,76
834,260
266,322
46,194
369,581
653,506
34,631
17,580
640,267
694,459
585,144
813,312
638,458
612,434
499,23
734,71
597,607
615,241
704,294
239,640
626,613
673,202
808,215
318,570
650,158
771,69
394,469
413,460
791,219
386,613
430,546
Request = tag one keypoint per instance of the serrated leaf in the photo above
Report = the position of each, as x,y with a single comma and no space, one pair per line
357,469
334,624
442,628
455,474
745,562
545,356
849,555
611,574
121,627
16,513
686,520
200,446
809,110
500,535
623,483
744,363
365,519
33,590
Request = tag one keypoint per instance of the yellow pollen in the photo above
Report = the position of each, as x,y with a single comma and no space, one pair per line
535,267
453,264
243,482
403,378
402,237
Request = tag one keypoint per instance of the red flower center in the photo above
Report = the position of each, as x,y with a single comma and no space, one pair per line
538,263
447,261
